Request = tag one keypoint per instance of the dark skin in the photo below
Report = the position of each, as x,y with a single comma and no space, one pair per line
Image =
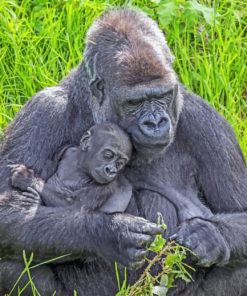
87,175
127,78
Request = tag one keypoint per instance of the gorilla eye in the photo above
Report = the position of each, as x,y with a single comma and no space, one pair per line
134,102
108,154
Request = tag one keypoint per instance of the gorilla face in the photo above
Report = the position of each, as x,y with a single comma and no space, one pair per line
148,114
106,150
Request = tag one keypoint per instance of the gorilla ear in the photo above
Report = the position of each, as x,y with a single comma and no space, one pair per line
95,82
85,141
97,89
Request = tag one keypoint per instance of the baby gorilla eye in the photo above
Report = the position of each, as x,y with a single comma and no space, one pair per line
108,154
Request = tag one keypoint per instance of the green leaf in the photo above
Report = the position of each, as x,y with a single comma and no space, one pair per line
157,244
207,12
163,226
167,12
172,259
164,280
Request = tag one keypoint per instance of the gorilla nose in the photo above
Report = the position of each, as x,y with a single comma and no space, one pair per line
155,126
110,171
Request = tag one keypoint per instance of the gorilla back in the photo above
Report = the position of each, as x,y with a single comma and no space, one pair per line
127,78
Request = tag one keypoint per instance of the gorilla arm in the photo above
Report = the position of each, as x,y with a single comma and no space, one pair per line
186,208
39,130
222,175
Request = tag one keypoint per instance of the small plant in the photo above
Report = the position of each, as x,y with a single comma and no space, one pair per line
169,256
27,271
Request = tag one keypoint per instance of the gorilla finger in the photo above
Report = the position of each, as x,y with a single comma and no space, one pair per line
141,240
31,197
153,229
19,168
179,239
204,262
15,174
136,265
147,228
34,192
183,232
203,255
13,171
194,258
137,255
173,237
28,195
191,242
13,166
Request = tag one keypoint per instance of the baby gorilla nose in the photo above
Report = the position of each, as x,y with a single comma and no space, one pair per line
110,171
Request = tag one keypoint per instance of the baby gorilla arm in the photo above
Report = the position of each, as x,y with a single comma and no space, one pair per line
24,179
110,198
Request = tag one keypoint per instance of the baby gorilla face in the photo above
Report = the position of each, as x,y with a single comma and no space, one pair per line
107,149
109,162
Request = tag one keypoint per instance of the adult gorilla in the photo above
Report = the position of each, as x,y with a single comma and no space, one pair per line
126,77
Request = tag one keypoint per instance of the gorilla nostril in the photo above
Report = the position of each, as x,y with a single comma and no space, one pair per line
149,124
110,172
162,122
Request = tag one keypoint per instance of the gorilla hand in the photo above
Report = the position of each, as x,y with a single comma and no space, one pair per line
204,240
124,238
22,177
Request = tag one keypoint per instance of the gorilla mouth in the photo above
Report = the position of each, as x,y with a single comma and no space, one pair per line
142,141
149,147
153,148
101,178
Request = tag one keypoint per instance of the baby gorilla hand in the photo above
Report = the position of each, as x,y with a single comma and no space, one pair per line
203,238
22,177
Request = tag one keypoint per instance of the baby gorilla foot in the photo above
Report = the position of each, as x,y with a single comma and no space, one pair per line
22,177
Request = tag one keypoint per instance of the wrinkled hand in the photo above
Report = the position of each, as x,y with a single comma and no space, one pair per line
125,238
204,240
22,177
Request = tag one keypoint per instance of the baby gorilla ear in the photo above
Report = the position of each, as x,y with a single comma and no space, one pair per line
85,142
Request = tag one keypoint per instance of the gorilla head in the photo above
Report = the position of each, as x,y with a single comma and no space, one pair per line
106,149
132,82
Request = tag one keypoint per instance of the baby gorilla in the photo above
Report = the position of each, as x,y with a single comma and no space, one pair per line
87,175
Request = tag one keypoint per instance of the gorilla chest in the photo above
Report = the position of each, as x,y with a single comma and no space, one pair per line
174,170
